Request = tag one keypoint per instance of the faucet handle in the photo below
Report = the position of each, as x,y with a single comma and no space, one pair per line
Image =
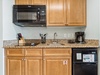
45,35
55,34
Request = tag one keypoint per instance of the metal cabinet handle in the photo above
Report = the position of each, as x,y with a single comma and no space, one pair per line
65,62
23,59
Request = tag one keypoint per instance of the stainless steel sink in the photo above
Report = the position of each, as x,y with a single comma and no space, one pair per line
31,44
55,44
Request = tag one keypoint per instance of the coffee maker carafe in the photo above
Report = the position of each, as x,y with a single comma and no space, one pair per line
79,37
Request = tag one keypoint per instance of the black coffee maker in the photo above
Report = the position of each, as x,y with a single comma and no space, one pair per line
80,37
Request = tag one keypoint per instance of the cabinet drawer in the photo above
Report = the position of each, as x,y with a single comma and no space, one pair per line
33,52
15,52
57,52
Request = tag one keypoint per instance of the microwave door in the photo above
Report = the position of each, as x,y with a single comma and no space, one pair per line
26,16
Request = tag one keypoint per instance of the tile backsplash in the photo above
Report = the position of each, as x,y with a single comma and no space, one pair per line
62,32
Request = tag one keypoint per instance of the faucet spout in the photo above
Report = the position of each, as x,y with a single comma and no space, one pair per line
55,35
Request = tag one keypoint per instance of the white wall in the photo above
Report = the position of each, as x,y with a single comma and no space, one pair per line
33,33
99,42
92,29
1,41
9,29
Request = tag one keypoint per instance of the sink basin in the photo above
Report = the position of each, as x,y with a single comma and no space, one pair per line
55,44
31,44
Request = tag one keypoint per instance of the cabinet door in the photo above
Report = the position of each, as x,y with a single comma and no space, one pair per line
14,66
76,12
57,66
39,2
23,2
56,13
33,66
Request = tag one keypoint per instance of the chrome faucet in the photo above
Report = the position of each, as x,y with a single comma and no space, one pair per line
55,40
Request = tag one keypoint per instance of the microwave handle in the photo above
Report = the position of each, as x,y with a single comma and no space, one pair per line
38,15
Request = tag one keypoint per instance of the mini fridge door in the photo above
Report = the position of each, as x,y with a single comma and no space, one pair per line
85,69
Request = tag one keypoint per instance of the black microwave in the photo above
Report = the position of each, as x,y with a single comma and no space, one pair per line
29,15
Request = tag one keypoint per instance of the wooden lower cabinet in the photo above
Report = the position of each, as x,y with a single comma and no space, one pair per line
33,66
14,66
20,61
49,61
24,66
57,66
57,61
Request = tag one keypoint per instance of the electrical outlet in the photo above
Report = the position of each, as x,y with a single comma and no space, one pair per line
69,35
65,35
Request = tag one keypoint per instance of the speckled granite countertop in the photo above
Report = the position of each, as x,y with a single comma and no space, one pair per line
61,44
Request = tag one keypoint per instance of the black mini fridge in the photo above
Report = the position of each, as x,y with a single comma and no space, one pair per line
84,61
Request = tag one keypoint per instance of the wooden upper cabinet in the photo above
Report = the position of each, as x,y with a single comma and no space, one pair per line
30,2
66,12
76,13
23,2
56,13
39,2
